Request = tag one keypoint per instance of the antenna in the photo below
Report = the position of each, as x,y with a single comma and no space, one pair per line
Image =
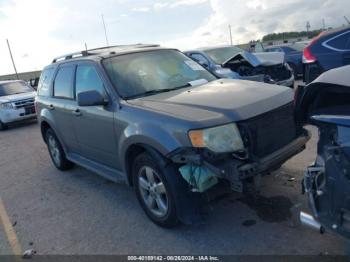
104,26
13,62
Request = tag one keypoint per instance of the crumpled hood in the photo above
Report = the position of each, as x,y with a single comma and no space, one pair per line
13,98
224,100
259,59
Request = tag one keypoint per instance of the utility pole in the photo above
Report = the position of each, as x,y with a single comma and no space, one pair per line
13,62
86,47
347,20
308,26
229,28
324,24
104,26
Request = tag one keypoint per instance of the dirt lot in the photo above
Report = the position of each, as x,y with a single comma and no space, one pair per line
78,212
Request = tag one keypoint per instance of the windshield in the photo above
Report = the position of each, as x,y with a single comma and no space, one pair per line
147,73
221,55
13,88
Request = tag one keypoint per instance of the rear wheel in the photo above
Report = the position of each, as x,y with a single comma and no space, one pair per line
56,151
153,191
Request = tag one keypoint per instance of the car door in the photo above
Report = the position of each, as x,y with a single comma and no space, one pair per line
93,125
61,104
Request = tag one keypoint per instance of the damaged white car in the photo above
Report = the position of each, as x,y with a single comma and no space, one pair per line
235,63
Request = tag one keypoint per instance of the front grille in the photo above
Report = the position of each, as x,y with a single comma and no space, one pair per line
269,132
25,103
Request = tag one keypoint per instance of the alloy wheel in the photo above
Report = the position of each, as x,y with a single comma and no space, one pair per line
153,191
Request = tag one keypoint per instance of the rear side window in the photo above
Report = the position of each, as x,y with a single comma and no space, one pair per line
44,82
340,42
63,83
87,79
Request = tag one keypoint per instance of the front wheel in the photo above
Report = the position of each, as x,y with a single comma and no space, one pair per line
2,126
153,191
56,151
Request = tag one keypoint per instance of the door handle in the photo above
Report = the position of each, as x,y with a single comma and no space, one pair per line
77,112
51,107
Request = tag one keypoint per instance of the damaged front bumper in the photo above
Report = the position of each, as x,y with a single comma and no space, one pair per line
233,168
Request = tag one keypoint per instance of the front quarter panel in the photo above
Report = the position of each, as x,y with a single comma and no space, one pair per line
142,127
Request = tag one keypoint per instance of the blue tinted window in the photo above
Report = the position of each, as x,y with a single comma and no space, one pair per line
341,42
87,79
44,82
63,82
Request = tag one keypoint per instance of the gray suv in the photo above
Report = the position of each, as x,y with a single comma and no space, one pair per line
156,119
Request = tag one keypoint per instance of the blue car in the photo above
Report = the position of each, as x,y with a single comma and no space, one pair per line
235,63
293,55
331,49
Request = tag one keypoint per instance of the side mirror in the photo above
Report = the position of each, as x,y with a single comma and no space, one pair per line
91,98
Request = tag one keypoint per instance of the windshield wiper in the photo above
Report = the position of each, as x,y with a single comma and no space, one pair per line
157,91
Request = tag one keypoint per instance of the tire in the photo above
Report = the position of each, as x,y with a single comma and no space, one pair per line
154,193
56,151
3,126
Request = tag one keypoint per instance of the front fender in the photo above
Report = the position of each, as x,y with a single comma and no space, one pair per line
147,134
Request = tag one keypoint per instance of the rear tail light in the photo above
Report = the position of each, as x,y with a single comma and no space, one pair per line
308,57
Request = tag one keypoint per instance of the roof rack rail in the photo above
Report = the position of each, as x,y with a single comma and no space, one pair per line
101,50
70,56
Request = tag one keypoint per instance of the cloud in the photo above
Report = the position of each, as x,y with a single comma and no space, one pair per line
39,30
29,32
141,9
173,4
253,19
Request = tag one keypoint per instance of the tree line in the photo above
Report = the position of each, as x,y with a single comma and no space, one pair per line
288,35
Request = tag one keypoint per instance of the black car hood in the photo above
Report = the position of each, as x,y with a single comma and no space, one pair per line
223,100
258,59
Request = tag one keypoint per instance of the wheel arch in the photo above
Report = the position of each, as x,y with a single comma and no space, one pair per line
136,149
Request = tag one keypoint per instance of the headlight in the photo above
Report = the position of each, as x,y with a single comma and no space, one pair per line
6,106
221,139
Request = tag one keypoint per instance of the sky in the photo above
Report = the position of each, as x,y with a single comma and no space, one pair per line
39,30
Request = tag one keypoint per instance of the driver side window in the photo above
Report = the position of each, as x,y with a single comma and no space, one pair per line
87,79
200,59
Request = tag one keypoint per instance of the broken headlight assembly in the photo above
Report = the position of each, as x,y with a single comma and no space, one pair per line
6,106
220,139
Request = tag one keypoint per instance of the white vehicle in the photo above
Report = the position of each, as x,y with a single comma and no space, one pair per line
16,102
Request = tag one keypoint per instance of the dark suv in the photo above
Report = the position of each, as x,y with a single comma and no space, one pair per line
155,118
331,49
